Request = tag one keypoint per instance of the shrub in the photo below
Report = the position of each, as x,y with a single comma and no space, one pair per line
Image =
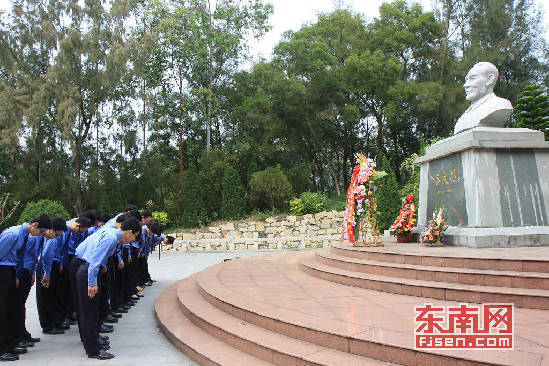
52,208
161,217
270,186
309,203
233,201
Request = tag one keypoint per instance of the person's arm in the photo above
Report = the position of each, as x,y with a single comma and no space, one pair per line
48,255
98,256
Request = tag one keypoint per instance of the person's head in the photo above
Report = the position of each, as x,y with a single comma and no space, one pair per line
103,219
58,226
146,217
130,229
90,214
136,214
129,207
171,239
154,228
81,224
480,81
39,225
120,220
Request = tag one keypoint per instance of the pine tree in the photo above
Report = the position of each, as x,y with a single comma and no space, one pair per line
233,201
388,198
532,109
194,210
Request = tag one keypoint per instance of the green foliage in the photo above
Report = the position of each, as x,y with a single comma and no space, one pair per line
194,212
270,187
296,206
310,203
409,173
233,200
532,109
52,208
388,198
161,217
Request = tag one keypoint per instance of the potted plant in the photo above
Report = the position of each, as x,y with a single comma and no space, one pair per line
434,232
402,227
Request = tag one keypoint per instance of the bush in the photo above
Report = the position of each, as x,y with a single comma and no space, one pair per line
271,187
161,217
233,201
51,208
309,203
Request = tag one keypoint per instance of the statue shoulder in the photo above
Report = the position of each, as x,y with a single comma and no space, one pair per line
499,103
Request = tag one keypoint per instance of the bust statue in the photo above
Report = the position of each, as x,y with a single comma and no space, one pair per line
486,109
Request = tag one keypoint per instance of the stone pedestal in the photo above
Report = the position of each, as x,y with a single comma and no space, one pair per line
494,185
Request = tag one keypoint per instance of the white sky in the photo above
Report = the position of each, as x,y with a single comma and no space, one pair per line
292,14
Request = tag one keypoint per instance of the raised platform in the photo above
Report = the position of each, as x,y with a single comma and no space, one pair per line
320,307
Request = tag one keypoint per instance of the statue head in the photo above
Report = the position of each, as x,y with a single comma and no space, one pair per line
480,81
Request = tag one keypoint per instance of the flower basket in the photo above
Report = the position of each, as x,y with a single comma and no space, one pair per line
407,238
434,232
402,227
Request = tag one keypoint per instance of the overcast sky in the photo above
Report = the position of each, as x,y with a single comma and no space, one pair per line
292,14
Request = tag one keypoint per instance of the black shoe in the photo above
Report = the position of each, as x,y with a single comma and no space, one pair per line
121,310
103,342
139,295
25,344
53,330
116,315
70,321
107,325
8,356
105,329
32,339
19,350
103,338
153,281
110,319
101,355
105,347
64,326
149,283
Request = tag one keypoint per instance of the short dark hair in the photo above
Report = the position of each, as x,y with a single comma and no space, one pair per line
146,213
129,207
171,239
44,221
85,221
155,227
132,224
90,215
105,217
57,223
122,218
136,214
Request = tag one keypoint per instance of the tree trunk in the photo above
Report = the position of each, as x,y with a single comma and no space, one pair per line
144,124
78,166
209,124
181,129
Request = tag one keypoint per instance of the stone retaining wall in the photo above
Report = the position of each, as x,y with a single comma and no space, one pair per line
307,231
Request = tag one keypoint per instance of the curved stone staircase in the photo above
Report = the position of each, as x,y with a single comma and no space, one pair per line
352,306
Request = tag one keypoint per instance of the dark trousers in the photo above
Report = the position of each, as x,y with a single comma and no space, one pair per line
104,307
7,308
59,281
118,290
69,302
114,288
48,314
133,272
88,308
21,295
146,267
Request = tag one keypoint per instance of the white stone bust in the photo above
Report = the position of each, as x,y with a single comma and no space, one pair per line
486,109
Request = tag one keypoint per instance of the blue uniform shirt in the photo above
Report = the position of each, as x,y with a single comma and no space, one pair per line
29,255
11,241
48,254
96,249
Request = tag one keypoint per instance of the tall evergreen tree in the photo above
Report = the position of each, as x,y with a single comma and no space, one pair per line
532,109
233,199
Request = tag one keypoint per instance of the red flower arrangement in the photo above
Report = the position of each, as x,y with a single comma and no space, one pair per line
406,218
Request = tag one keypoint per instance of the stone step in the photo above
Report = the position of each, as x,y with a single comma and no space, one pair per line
198,345
525,298
275,294
483,277
270,346
500,259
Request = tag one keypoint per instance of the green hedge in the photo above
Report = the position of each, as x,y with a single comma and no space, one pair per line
52,208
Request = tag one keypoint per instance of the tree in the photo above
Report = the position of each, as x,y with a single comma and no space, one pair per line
270,186
233,199
388,198
194,212
532,109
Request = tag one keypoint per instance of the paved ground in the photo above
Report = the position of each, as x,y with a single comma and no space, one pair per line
137,339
